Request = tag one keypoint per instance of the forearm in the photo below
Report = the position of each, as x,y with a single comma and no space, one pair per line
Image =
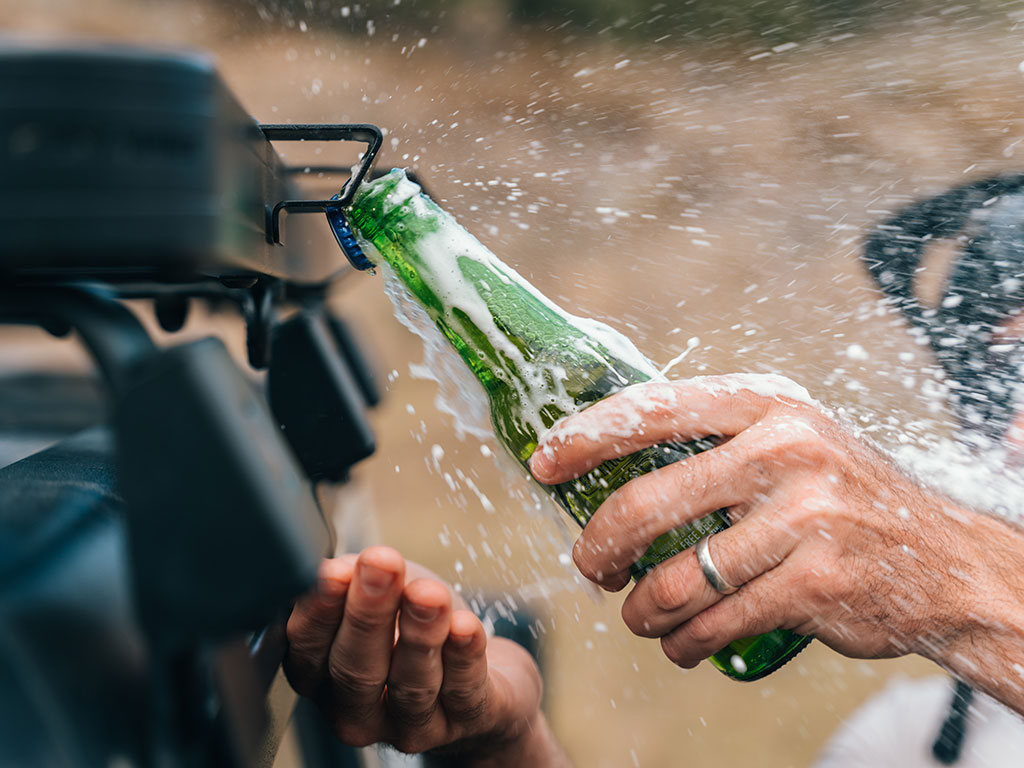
535,745
987,647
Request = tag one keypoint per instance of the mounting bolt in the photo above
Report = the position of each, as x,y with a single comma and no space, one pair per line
171,312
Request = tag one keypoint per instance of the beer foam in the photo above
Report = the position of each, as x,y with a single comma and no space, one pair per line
637,402
769,385
442,256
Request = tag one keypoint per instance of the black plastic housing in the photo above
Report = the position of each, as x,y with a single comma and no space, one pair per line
224,529
124,164
316,399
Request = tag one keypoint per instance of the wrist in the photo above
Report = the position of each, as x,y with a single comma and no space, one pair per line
990,656
984,639
526,741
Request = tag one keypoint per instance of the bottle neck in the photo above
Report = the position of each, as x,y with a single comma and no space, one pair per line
450,275
521,346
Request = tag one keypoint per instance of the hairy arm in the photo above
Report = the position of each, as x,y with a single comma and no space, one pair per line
986,645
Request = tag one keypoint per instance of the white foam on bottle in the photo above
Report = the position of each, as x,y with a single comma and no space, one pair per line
459,394
635,404
538,382
769,385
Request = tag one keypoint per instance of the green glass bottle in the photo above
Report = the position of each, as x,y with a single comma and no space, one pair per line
537,363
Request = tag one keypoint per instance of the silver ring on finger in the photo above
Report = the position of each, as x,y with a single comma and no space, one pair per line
711,573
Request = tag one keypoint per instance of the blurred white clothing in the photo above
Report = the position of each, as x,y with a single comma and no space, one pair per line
898,727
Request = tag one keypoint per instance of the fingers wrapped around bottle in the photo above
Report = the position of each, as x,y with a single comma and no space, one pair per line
772,452
390,661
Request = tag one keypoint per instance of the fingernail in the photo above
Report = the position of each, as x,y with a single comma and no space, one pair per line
577,551
423,612
330,591
374,580
461,641
541,464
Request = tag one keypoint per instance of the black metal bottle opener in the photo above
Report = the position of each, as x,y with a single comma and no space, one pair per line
334,208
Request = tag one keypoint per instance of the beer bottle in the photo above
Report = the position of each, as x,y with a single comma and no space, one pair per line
537,363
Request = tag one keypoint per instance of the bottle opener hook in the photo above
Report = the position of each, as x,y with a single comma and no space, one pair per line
362,132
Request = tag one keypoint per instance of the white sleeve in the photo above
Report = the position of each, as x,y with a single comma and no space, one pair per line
895,728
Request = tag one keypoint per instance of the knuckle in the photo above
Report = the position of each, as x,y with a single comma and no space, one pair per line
466,705
461,665
306,630
818,585
353,682
793,438
803,513
364,623
823,587
639,497
633,518
629,503
413,707
751,613
796,438
665,588
419,644
832,556
412,698
698,631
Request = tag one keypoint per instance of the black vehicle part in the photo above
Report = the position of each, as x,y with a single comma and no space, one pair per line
315,398
171,311
260,315
74,672
123,163
213,496
80,684
133,173
358,361
210,488
112,334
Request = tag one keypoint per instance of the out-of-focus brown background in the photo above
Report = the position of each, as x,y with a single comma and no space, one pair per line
700,176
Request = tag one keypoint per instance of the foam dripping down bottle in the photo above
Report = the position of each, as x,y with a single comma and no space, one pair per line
536,363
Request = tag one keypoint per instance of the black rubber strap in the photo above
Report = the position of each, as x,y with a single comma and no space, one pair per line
950,742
